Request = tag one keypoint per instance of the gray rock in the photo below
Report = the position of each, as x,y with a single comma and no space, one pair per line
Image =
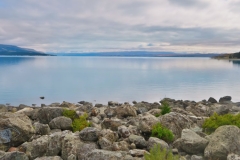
190,142
195,157
110,112
112,124
41,129
70,145
15,129
68,105
61,122
232,156
36,148
55,143
138,152
225,99
123,131
46,114
146,122
85,148
141,108
89,134
26,111
225,140
49,158
153,141
139,141
98,105
120,146
111,103
97,154
107,138
212,100
198,110
176,123
125,111
3,108
14,156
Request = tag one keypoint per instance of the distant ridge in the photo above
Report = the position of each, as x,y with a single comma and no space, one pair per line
136,54
11,50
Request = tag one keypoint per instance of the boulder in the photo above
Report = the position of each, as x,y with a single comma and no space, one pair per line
27,111
111,103
232,156
89,134
14,156
110,112
49,158
55,143
138,152
63,123
14,130
3,108
98,105
225,99
85,148
176,122
139,141
146,121
225,140
212,100
46,114
36,148
155,112
141,108
120,146
97,154
41,129
112,124
106,138
198,110
195,157
155,141
220,109
125,111
70,145
68,105
190,142
123,131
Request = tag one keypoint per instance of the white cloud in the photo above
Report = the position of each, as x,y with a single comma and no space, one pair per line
106,25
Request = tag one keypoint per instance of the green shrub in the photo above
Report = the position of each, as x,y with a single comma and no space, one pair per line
165,108
156,153
80,123
157,115
162,132
70,114
215,121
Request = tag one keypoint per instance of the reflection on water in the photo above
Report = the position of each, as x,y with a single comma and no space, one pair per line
100,79
236,62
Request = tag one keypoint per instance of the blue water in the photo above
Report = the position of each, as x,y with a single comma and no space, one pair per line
100,79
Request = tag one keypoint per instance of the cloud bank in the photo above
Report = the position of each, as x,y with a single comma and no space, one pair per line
106,25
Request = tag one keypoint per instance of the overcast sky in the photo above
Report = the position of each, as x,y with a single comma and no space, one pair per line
205,26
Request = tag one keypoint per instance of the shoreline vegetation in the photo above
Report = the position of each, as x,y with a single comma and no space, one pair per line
173,129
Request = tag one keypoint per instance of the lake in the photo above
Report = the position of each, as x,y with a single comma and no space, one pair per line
100,79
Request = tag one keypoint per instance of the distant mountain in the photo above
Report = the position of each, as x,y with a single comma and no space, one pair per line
228,56
10,50
136,54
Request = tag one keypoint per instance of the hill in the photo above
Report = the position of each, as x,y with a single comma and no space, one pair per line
135,54
228,56
10,50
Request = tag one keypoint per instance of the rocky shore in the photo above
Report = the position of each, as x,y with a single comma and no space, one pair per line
117,131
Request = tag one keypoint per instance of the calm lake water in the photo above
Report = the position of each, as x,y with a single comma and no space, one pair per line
100,79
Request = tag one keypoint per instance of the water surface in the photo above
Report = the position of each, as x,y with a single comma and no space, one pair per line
100,79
